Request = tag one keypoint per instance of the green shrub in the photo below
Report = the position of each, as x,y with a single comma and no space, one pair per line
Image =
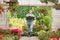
54,34
25,33
42,35
5,31
36,29
16,37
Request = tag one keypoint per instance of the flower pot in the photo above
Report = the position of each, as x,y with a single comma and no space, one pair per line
57,6
54,38
0,11
10,4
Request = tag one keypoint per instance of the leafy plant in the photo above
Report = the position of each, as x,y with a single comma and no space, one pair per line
16,37
55,34
42,35
42,18
5,31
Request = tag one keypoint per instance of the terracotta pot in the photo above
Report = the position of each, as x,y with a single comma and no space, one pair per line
10,4
0,11
57,6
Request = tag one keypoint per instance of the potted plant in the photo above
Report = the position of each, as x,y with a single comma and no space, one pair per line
1,9
57,6
54,35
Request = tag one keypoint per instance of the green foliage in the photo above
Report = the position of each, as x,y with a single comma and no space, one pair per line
16,37
25,33
23,10
54,34
15,6
37,29
13,0
46,1
44,17
42,35
42,14
9,37
5,31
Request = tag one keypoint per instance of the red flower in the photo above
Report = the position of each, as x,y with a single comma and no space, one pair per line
12,31
54,39
1,35
18,31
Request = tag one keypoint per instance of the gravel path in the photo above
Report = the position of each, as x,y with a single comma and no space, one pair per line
29,38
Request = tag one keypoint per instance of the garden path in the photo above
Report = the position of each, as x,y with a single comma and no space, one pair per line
29,38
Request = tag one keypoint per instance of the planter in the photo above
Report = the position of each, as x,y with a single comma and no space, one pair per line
10,3
54,38
57,6
0,11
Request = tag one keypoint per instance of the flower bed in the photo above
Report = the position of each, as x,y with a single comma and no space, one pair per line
43,35
10,34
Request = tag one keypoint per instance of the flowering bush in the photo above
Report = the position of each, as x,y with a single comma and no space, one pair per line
55,34
43,35
9,34
16,32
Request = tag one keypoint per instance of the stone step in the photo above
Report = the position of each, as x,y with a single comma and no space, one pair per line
29,38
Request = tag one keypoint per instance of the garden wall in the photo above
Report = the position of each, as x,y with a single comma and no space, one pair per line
3,20
55,19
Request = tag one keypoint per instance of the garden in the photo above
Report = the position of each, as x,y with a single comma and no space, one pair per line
18,24
17,19
42,23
